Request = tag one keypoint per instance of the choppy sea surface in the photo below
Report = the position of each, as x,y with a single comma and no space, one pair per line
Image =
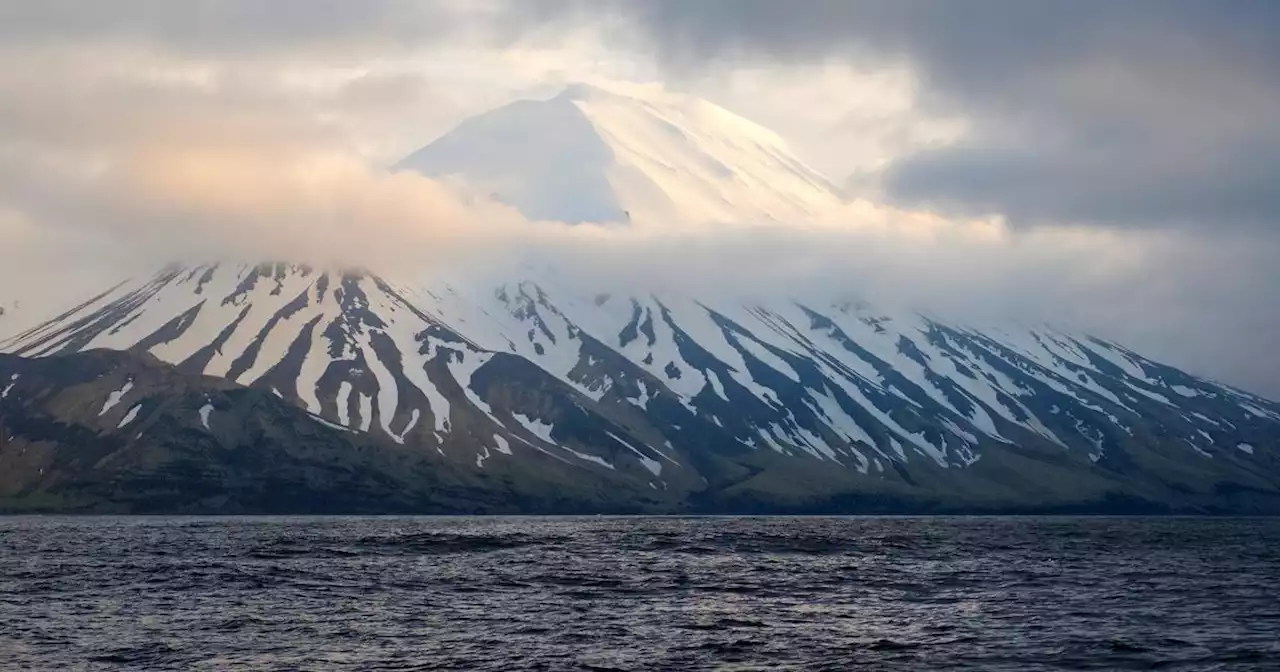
639,593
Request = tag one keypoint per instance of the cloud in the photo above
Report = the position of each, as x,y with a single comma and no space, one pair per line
1134,114
138,132
152,155
165,155
239,28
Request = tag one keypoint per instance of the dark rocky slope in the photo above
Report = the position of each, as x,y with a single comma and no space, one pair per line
177,442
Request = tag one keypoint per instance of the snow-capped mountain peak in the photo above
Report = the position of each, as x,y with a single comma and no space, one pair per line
624,152
672,395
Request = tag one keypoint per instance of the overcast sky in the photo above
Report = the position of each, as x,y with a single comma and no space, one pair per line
1128,150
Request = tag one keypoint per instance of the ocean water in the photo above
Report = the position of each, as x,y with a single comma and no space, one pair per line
639,593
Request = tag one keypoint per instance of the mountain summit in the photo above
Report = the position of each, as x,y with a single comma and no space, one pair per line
626,152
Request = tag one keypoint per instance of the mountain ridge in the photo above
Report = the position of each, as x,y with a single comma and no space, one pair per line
660,393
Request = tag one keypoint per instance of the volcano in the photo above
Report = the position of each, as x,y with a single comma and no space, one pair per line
538,394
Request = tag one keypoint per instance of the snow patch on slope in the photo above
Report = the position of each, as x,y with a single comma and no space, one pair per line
129,417
13,380
114,398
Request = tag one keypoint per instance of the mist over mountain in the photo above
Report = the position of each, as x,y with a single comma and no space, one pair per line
736,365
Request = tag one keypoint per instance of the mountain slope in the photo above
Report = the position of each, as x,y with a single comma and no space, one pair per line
114,431
610,155
779,405
110,431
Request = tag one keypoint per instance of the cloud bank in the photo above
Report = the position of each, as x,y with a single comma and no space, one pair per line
1112,172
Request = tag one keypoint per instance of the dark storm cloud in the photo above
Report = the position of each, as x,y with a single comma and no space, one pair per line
1135,113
